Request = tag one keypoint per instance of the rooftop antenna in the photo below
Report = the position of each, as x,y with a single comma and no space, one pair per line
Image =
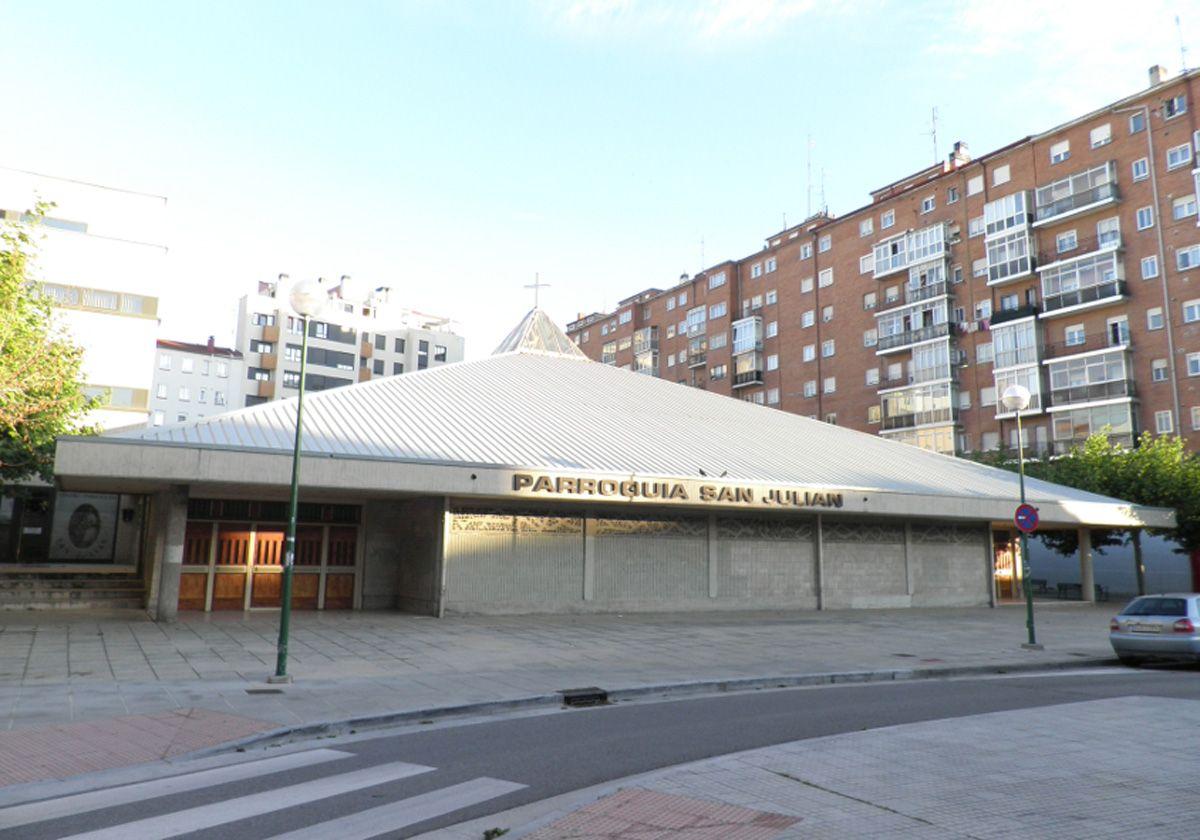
824,206
702,252
933,119
537,285
785,220
808,209
1182,46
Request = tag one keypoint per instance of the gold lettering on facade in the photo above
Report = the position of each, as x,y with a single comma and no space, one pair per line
724,494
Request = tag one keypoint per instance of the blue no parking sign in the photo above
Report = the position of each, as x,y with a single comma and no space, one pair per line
1026,518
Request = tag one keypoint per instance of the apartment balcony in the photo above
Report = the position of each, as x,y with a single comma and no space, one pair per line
747,335
1101,294
646,362
696,360
1077,204
1083,247
747,378
920,418
894,343
920,293
694,330
1096,341
366,349
608,358
1092,393
1005,315
364,374
268,361
1064,445
270,333
748,370
645,340
266,388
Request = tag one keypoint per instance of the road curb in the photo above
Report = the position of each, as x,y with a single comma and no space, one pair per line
343,726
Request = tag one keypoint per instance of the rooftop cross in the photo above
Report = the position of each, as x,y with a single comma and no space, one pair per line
537,285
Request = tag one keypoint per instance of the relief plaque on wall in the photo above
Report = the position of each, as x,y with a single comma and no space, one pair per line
84,527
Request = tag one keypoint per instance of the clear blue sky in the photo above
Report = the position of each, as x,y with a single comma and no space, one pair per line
452,149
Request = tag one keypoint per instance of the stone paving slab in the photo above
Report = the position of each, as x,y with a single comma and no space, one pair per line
1113,768
58,667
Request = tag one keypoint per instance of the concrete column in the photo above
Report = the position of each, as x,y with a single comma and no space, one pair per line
989,564
908,557
819,557
711,542
589,558
1087,577
172,525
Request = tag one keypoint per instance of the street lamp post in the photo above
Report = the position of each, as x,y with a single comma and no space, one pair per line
306,299
1016,399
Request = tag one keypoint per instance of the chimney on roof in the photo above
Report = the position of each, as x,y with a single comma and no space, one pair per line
211,344
1158,75
683,278
960,155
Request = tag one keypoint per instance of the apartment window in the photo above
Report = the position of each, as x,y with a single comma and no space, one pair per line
975,227
1101,135
810,388
717,310
891,294
1178,156
895,371
825,278
983,309
975,185
1141,169
397,368
956,275
218,398
180,418
683,298
870,338
756,270
1150,267
866,263
164,361
1108,232
874,414
1162,422
824,243
1154,318
185,394
952,195
1193,366
377,367
826,314
866,227
1158,370
964,400
291,379
830,385
869,300
1195,417
756,302
1066,241
671,303
422,355
872,377
810,352
1174,106
203,396
1075,335
1009,302
583,339
256,346
291,352
189,365
831,418
439,353
717,372
670,331
979,268
806,251
773,362
262,319
928,203
772,396
887,220
770,265
772,329
671,360
222,370
718,340
160,418
772,297
1186,258
161,391
380,342
1191,311
603,330
1001,175
1183,207
320,329
1060,151
806,285
625,317
987,396
1145,218
984,353
828,348
1137,122
717,280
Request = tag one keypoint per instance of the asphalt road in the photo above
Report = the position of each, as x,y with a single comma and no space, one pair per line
439,770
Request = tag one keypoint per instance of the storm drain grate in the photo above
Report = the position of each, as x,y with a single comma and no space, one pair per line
264,691
580,697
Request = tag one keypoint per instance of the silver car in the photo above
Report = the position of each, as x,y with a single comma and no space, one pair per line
1157,626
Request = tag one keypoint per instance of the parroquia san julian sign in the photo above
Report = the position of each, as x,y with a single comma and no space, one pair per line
673,491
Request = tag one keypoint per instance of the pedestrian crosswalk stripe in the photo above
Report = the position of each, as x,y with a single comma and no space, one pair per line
81,803
397,815
253,805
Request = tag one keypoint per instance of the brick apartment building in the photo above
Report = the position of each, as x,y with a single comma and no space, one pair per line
1067,261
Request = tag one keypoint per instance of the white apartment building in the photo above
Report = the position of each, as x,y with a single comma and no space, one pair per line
354,342
101,256
192,381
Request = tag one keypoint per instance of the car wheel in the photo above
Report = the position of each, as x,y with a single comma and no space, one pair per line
1130,661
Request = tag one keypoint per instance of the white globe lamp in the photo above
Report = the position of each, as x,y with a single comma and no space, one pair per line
1016,397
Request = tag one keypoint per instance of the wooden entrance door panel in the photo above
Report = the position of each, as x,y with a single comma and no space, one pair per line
339,592
229,591
305,588
192,588
266,589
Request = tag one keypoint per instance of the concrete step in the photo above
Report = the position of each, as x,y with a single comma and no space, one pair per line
52,591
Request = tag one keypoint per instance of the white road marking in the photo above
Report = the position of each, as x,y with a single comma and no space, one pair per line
81,803
405,812
253,805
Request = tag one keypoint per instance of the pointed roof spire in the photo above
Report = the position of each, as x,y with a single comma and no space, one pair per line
538,334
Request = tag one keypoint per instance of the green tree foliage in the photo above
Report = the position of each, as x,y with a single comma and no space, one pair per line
41,396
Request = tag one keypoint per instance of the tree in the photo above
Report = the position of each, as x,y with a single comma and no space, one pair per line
41,396
1158,471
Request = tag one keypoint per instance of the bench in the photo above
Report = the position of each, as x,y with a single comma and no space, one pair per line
1074,591
1039,586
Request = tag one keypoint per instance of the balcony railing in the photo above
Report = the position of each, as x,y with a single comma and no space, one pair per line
1092,393
1096,341
895,342
696,360
1112,290
920,418
1103,194
696,329
608,358
1065,445
920,293
1005,315
1087,245
747,377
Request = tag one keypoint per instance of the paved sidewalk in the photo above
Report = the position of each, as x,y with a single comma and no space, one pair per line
58,668
1039,772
